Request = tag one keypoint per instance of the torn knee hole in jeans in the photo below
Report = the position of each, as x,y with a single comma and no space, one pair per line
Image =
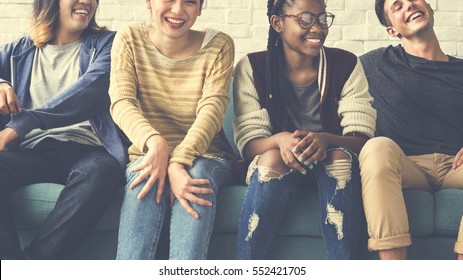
340,170
266,174
336,218
252,225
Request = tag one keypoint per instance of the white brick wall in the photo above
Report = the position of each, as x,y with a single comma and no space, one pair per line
356,27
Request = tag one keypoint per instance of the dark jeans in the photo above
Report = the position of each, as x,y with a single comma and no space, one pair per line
90,175
341,209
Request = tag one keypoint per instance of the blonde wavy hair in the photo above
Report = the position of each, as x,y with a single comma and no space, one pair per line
45,21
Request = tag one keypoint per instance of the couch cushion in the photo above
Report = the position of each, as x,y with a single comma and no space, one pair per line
449,210
31,205
420,210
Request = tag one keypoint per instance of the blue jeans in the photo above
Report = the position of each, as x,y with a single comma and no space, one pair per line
90,175
340,209
142,220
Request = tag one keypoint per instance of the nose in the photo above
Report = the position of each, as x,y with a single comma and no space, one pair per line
85,2
410,4
177,6
315,28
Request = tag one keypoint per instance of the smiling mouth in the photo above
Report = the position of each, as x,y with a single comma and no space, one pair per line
81,12
175,21
313,40
414,16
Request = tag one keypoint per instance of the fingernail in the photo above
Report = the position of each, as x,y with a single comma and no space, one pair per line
315,162
307,163
294,150
304,172
301,159
311,167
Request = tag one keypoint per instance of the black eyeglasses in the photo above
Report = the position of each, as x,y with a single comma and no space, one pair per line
307,19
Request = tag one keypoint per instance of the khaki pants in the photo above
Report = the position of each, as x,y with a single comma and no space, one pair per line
385,169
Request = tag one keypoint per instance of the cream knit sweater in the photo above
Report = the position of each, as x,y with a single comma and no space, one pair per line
184,100
252,121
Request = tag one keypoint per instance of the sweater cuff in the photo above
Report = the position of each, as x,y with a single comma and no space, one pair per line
22,123
184,159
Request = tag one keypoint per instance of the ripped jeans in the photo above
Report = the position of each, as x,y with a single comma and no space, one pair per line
340,208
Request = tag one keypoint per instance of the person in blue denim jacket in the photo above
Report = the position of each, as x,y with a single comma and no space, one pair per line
303,112
56,127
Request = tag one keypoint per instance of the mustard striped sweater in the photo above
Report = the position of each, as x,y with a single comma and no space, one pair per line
184,100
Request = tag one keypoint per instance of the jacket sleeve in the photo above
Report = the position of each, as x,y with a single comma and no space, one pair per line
251,120
355,105
211,108
84,99
5,73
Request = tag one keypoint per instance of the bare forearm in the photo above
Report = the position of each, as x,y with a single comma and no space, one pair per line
353,143
259,146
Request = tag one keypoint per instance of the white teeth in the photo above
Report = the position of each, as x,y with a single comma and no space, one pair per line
83,12
313,40
175,21
416,15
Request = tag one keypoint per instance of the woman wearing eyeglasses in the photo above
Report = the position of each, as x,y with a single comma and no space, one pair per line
303,112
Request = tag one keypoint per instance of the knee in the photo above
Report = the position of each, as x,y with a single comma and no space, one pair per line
269,166
337,155
377,147
272,160
338,165
217,171
102,171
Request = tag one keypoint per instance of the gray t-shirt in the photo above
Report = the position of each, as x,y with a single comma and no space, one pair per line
54,69
304,107
419,102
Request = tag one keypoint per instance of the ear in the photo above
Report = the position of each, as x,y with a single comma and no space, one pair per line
392,32
275,22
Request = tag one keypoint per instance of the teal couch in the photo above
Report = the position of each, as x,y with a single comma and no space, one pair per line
434,221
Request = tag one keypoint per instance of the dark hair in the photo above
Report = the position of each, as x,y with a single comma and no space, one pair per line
379,9
276,105
45,20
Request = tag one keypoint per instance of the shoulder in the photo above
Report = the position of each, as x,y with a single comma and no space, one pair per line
220,41
338,60
18,47
131,32
222,37
99,40
385,53
243,65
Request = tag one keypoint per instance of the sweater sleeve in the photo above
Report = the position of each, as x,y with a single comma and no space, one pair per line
125,107
211,107
355,105
251,120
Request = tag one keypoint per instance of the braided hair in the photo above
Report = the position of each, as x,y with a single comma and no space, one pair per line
275,70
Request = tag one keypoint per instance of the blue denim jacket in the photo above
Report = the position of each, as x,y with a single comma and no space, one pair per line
86,99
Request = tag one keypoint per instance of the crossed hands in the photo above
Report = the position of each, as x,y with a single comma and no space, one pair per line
155,168
302,149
